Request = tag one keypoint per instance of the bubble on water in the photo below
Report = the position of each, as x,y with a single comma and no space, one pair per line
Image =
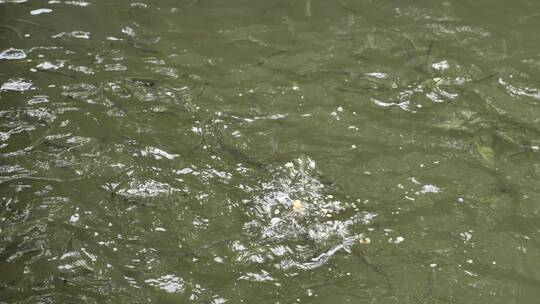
218,300
78,3
128,31
466,236
429,189
40,11
74,218
378,75
219,260
139,5
47,65
396,240
440,66
11,54
12,1
16,85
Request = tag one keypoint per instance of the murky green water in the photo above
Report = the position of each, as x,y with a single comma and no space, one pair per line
280,151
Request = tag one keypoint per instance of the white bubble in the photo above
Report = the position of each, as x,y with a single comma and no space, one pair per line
440,66
40,11
16,85
74,218
12,53
397,240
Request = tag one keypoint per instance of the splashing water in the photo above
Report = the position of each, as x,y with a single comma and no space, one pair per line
296,222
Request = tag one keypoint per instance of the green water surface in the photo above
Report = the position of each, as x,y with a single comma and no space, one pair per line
279,151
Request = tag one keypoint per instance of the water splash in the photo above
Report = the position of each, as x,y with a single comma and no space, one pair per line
295,220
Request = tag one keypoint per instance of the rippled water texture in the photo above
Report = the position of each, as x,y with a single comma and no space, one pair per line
279,151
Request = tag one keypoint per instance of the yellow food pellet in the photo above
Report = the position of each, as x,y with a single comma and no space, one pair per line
364,241
296,205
